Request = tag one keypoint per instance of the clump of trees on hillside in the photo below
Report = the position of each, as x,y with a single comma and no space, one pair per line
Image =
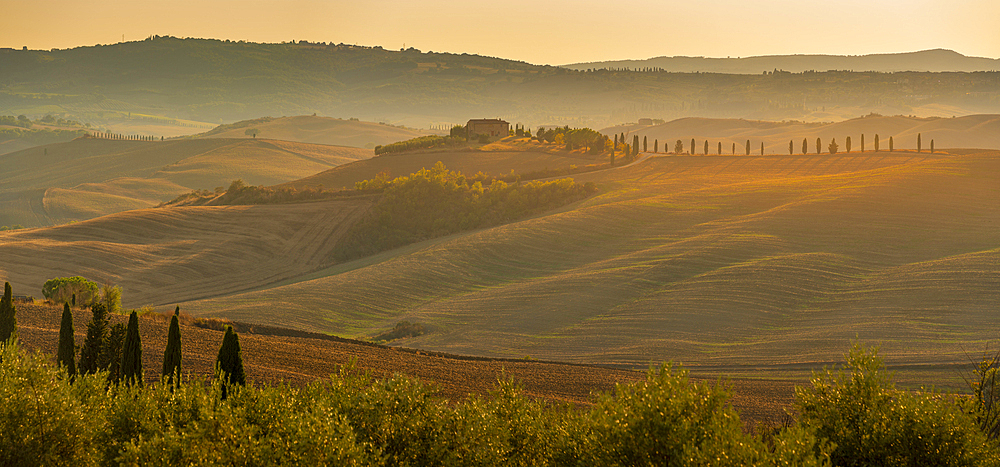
422,142
435,202
576,138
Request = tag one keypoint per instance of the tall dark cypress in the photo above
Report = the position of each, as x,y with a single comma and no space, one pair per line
67,351
229,363
111,355
706,147
172,356
93,344
131,366
692,146
919,145
645,144
8,315
748,147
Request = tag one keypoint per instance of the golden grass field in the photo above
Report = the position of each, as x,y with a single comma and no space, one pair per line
326,130
87,178
738,265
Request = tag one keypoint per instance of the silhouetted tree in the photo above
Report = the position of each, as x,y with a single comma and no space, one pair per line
748,147
635,145
876,142
847,144
862,142
734,149
819,146
172,355
692,146
706,147
805,146
66,356
890,144
932,146
720,148
791,147
8,315
131,365
656,145
229,363
833,146
919,146
93,344
762,148
679,147
111,356
645,145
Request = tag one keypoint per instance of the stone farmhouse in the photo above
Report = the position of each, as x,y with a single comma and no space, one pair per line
492,127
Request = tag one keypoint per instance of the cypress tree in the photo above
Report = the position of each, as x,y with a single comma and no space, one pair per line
791,147
131,364
66,356
819,146
8,315
692,146
876,142
748,147
848,144
229,363
706,147
862,142
172,356
918,143
720,148
93,344
734,149
805,146
645,146
932,146
111,355
890,144
635,145
656,145
762,148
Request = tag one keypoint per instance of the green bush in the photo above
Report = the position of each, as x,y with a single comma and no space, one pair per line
858,408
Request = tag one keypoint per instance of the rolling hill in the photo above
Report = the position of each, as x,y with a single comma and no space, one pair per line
90,177
168,84
972,131
317,130
731,264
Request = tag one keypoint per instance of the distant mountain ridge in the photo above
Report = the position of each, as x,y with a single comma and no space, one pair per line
935,60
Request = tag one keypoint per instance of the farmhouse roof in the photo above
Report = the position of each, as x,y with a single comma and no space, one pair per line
487,120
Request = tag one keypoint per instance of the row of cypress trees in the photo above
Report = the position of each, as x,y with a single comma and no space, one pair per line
833,147
119,350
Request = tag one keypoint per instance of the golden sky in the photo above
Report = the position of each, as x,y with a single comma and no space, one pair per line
539,31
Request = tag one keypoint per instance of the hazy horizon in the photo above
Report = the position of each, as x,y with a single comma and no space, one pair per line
549,32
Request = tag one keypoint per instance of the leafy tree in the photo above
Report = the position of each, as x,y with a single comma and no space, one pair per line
457,131
833,146
93,344
890,144
112,297
805,146
172,355
229,363
66,356
8,315
62,289
748,147
919,145
819,146
679,147
251,132
847,144
131,364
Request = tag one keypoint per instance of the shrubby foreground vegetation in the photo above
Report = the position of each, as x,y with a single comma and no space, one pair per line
848,416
